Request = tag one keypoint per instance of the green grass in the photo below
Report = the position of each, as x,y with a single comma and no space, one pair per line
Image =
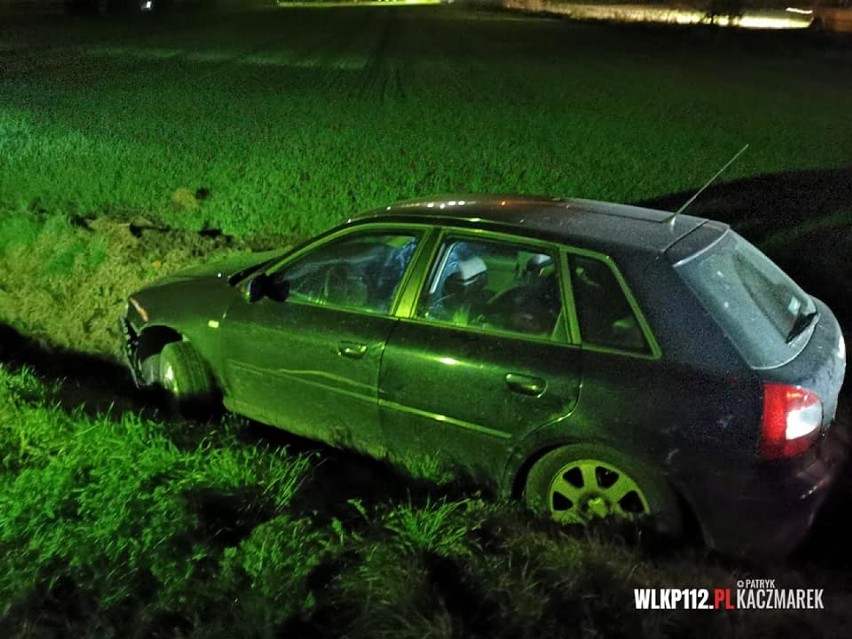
67,283
293,133
112,524
293,120
113,506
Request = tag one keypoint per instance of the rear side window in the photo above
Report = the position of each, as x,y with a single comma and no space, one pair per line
764,312
603,312
494,286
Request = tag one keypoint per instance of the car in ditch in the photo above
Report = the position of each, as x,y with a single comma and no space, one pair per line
592,359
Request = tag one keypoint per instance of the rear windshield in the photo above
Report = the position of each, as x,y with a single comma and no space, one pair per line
765,313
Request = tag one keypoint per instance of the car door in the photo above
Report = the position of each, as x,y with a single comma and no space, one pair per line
483,358
306,355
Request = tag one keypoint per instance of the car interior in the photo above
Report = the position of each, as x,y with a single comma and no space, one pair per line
482,284
494,286
362,274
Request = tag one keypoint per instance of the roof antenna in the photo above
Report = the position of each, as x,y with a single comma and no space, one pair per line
671,219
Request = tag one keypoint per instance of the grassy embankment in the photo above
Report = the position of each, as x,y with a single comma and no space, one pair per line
117,147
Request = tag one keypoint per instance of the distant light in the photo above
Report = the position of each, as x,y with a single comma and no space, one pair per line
449,361
452,202
753,19
765,22
213,323
430,205
146,6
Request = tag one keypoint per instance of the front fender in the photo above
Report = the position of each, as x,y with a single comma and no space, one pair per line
191,309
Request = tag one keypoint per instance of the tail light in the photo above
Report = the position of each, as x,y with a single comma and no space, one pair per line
791,420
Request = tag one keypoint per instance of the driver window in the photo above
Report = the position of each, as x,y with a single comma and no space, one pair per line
360,272
494,286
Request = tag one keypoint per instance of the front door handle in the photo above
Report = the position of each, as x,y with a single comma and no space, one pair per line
352,350
526,384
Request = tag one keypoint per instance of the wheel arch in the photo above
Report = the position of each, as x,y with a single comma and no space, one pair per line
517,474
152,339
525,457
150,342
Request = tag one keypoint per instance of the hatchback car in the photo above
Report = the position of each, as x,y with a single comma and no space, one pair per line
593,359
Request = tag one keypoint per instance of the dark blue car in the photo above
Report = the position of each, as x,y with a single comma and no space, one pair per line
592,359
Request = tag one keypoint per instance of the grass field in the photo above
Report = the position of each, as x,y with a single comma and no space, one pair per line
130,150
291,131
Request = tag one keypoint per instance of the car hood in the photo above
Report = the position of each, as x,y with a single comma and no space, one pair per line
231,268
180,300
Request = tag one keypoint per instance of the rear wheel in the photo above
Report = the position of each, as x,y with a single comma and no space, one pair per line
581,483
185,376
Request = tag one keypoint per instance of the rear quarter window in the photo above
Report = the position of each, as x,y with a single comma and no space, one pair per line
766,315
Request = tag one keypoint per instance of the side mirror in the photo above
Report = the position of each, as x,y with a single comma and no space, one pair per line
255,288
277,290
264,286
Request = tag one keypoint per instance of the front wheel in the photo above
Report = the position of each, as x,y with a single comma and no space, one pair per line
185,376
580,483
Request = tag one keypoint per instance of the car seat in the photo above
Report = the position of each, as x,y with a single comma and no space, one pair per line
463,292
532,306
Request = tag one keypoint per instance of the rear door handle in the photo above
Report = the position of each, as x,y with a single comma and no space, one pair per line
352,350
526,384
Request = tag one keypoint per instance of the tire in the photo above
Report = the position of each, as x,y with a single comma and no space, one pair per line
185,377
149,370
578,483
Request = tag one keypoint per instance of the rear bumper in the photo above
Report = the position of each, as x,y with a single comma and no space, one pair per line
769,509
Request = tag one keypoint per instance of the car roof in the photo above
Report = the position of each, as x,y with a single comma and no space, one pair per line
597,224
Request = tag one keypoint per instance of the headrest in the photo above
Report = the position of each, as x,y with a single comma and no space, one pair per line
468,274
539,265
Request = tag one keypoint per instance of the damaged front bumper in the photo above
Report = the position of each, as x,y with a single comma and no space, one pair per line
131,341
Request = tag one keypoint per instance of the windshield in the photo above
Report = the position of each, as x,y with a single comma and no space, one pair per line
764,312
